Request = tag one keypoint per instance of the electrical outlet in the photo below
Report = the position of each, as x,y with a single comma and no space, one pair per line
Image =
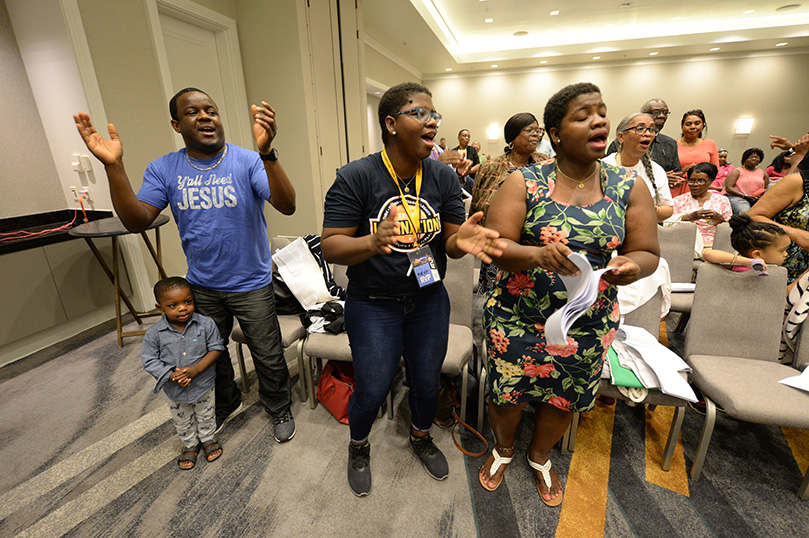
75,192
85,191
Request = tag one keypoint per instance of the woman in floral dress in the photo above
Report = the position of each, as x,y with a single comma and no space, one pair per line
546,212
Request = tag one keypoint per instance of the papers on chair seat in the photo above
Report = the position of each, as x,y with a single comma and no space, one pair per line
799,381
582,292
683,287
653,363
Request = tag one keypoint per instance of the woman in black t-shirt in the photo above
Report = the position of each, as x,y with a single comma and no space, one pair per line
393,217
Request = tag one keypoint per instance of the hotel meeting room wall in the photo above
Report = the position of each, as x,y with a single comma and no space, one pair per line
773,89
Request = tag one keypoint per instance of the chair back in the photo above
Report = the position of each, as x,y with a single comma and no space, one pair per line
458,281
339,273
280,241
647,315
721,240
677,247
737,314
800,359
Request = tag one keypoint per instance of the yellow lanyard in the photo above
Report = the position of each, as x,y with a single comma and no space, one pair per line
414,215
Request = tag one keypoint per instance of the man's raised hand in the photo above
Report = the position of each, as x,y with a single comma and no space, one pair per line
264,126
107,151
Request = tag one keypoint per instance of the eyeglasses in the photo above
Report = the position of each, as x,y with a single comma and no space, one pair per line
692,181
659,112
423,114
640,129
530,131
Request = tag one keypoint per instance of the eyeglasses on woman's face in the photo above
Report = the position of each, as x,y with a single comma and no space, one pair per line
423,114
531,131
640,129
698,181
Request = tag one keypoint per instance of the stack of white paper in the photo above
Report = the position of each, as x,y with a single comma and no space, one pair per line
799,381
582,292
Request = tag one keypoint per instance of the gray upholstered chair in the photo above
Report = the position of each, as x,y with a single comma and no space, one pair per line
721,240
292,332
734,358
677,248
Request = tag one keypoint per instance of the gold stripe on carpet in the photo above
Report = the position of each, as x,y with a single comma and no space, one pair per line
799,443
585,503
658,424
664,333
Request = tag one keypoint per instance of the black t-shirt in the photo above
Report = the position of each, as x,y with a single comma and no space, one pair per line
362,196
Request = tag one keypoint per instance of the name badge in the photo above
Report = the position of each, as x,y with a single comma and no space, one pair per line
423,265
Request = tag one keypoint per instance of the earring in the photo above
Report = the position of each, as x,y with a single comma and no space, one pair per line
394,132
511,145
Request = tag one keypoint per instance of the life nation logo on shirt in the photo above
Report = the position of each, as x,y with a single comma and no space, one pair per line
206,193
429,224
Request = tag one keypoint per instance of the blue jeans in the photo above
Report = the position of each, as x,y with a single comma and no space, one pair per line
738,205
255,311
383,330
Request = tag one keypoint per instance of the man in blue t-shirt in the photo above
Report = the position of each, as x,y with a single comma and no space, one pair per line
217,192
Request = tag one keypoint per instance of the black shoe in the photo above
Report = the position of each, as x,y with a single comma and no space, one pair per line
359,469
431,457
283,426
221,420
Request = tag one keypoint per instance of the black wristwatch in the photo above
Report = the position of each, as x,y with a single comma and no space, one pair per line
271,156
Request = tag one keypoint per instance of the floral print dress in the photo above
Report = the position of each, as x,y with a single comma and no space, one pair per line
522,365
796,216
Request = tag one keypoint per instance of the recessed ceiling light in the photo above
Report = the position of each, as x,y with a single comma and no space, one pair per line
676,18
653,53
447,69
788,7
714,49
596,57
494,65
781,44
554,12
748,12
543,61
521,33
488,20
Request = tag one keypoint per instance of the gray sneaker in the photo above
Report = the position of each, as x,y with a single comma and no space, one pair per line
431,457
359,469
283,426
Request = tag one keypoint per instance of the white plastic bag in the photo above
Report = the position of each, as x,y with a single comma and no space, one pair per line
302,274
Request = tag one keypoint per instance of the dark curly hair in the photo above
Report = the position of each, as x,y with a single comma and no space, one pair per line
752,151
514,127
168,284
556,108
709,169
698,113
748,234
173,101
779,163
394,99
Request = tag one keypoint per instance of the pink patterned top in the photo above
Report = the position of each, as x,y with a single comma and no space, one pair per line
685,203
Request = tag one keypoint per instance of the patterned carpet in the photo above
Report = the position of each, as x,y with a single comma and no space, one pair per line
90,451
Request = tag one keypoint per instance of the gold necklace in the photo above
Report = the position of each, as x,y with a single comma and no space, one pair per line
406,182
579,182
210,167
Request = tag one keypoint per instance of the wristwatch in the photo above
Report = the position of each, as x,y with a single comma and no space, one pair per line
271,156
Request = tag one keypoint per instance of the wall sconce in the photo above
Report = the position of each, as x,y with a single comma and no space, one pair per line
744,126
493,132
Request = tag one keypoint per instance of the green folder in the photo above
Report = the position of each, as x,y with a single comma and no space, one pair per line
621,377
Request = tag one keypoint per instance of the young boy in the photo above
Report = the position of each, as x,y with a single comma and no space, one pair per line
178,351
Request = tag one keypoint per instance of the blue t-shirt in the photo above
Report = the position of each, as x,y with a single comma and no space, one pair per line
166,348
362,196
220,215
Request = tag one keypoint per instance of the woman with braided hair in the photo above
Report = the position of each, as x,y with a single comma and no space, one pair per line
635,134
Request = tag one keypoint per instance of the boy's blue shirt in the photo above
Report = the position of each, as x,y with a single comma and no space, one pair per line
165,348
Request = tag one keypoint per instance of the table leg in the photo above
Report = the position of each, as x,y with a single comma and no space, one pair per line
110,275
117,291
156,256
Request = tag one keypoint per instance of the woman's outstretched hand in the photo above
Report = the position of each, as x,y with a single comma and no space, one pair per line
626,271
478,240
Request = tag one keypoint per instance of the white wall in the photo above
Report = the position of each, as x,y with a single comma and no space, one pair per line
374,131
54,76
772,89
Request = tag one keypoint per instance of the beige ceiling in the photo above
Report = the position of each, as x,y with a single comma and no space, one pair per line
430,36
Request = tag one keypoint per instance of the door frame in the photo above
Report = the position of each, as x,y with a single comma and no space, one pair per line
230,61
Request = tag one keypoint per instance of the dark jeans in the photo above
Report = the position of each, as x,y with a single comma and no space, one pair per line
255,311
383,330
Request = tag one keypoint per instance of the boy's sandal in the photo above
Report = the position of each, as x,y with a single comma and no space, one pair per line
545,471
211,448
497,461
186,456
